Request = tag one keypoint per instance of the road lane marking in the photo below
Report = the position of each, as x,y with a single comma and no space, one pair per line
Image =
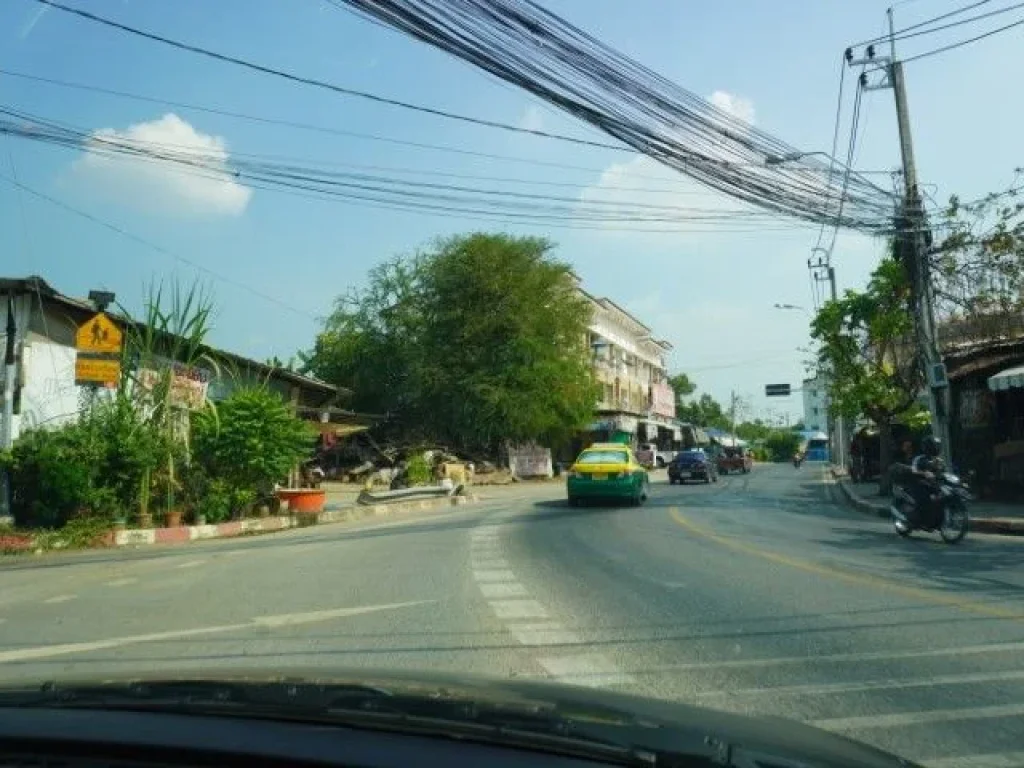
896,719
850,577
309,617
991,760
190,564
518,609
544,633
498,590
868,685
851,657
122,582
592,670
59,599
66,649
490,564
492,576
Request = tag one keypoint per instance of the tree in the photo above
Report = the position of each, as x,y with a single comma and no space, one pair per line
705,411
478,341
866,344
978,267
682,386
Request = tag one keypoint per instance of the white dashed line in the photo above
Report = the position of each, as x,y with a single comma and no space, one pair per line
991,760
544,633
59,599
588,669
491,564
122,582
518,609
510,602
190,564
499,590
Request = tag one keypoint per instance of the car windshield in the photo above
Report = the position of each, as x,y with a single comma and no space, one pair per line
603,457
559,341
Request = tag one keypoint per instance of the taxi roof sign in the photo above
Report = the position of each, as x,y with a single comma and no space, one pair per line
99,335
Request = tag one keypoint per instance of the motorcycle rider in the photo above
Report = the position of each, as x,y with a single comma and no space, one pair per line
924,469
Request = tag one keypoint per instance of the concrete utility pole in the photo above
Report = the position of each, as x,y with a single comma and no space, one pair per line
917,235
10,371
837,431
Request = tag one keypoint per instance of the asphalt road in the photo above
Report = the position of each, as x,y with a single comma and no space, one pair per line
759,594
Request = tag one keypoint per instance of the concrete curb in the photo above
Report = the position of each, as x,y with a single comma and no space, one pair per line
1004,526
185,534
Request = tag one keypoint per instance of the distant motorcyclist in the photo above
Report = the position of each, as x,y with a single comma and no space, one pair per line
923,469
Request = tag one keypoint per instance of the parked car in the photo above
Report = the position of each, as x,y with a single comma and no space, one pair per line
649,455
693,464
607,471
734,460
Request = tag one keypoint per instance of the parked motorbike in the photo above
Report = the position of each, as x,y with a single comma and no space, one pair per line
946,514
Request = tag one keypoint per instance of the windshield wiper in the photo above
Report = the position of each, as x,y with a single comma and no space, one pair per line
585,732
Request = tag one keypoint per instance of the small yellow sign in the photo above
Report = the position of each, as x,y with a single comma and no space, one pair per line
99,335
97,370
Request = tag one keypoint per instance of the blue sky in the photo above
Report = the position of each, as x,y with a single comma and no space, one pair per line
709,293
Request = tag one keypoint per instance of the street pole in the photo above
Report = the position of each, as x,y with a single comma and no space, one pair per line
840,427
10,371
919,268
732,409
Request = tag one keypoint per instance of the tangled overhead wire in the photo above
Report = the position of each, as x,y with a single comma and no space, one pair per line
530,47
391,191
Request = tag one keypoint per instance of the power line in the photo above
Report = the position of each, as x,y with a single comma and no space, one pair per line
374,188
226,58
907,32
962,43
835,137
527,46
155,247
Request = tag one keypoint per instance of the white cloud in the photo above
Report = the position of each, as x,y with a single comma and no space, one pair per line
642,181
739,107
163,186
532,119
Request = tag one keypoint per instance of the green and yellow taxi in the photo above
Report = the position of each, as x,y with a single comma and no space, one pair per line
607,471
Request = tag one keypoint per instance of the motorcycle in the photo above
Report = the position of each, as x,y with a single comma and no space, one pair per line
947,512
798,460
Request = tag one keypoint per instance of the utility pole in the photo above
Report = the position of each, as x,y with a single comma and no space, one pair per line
917,235
732,410
10,371
823,271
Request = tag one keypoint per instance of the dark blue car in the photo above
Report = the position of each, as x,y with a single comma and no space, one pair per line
693,464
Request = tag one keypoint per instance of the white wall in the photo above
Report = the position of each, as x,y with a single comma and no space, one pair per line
48,396
815,405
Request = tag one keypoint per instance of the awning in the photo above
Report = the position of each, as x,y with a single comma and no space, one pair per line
1011,378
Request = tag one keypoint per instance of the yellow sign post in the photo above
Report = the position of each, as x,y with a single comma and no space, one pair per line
98,342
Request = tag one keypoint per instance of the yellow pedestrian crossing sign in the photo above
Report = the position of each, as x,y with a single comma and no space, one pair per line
99,335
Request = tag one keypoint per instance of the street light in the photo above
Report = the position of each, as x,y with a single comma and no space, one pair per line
792,157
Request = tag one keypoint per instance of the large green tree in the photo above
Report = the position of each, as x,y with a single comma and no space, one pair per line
479,340
866,345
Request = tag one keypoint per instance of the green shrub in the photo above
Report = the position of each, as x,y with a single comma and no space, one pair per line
782,445
250,442
418,471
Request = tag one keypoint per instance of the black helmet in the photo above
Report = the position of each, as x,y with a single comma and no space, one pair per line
931,446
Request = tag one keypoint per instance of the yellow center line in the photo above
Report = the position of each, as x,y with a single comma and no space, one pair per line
849,577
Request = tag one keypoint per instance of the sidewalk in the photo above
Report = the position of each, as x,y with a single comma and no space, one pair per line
986,516
340,508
